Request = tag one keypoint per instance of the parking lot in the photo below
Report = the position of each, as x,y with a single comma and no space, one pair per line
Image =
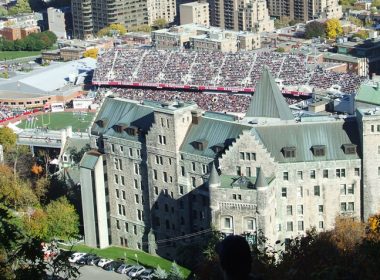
97,273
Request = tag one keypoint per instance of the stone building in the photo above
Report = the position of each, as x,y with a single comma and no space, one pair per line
169,171
194,12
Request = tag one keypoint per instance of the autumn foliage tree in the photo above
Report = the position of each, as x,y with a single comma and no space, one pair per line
333,28
112,30
93,53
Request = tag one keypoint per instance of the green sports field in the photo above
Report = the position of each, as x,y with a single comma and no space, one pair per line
57,121
6,55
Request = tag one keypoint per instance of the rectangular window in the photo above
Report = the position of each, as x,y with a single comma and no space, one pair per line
289,210
154,174
300,209
357,171
227,223
372,128
126,227
343,189
325,173
122,180
343,207
253,156
312,174
123,193
137,169
234,196
137,198
130,152
289,226
182,171
283,192
165,177
116,179
320,224
120,164
134,229
112,148
119,208
248,172
300,175
193,182
155,190
204,168
248,156
117,193
300,225
121,148
193,166
299,191
117,224
317,191
238,170
340,172
123,208
286,176
350,206
139,215
350,189
378,128
242,156
320,208
251,224
180,189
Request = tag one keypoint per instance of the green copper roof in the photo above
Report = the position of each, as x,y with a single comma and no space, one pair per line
303,136
268,101
215,132
368,94
89,161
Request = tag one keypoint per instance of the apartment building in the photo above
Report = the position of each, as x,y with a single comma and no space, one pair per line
199,37
241,15
304,10
195,12
89,16
159,171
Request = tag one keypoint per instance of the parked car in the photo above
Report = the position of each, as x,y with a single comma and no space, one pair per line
147,274
85,258
136,271
124,268
103,262
92,260
76,256
112,266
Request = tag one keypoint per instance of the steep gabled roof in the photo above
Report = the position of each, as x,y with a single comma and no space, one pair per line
268,101
261,182
214,178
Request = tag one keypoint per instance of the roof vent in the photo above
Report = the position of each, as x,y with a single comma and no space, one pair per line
319,150
101,122
218,148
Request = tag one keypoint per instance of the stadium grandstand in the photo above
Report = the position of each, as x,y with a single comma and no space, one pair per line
215,71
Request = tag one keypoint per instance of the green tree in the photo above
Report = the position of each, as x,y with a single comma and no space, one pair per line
63,221
280,50
7,138
356,21
160,23
77,155
314,29
3,11
362,34
36,224
375,3
175,273
140,28
282,22
333,28
160,273
22,6
112,29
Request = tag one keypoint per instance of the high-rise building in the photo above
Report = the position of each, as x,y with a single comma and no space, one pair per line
194,12
89,16
57,21
304,10
161,172
242,15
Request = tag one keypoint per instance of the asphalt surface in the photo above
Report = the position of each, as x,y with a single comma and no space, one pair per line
97,273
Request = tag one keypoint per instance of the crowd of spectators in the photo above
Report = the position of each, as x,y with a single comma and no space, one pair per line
218,102
201,68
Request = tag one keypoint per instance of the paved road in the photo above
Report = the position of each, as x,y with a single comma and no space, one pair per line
97,273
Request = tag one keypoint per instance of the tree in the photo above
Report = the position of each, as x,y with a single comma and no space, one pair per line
77,155
112,30
41,187
175,273
93,53
19,157
36,224
7,138
375,3
314,29
63,221
356,21
282,22
280,50
333,28
160,23
3,11
22,6
140,28
347,233
362,34
160,273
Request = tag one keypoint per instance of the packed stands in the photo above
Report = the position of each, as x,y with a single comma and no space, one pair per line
213,70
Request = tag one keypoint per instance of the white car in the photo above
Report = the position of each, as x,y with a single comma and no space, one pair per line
103,262
136,271
76,256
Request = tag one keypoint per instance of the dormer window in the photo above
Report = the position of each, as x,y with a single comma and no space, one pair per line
289,152
101,122
119,127
132,130
319,150
200,145
349,149
218,148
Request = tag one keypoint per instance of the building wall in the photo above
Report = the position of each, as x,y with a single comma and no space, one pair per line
199,14
56,22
